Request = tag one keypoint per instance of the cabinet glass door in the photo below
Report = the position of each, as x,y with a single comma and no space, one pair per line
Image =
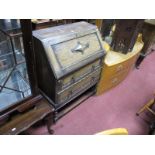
14,81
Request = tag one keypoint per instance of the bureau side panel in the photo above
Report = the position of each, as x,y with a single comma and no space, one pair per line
45,76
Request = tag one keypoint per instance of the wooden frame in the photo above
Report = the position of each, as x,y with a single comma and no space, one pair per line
26,28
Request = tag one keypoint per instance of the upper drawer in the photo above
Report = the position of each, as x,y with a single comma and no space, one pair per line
71,79
74,51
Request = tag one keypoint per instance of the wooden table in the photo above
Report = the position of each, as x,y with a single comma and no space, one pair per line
22,121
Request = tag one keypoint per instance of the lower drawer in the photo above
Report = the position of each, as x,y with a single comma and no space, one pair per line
79,87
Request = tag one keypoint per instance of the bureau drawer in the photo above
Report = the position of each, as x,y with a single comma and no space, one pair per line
71,79
79,87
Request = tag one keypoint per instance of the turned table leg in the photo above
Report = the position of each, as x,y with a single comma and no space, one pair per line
49,123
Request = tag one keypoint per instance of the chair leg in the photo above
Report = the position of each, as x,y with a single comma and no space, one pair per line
151,110
152,129
141,110
150,103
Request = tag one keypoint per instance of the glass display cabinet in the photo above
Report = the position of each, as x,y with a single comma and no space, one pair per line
14,82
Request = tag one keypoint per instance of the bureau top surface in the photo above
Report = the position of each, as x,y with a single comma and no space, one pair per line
56,32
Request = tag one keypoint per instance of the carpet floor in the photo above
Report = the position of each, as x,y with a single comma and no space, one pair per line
114,109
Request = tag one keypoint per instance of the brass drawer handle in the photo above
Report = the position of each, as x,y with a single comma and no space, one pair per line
93,68
114,80
73,80
80,47
93,79
70,93
119,68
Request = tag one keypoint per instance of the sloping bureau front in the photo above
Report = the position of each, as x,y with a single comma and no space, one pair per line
68,59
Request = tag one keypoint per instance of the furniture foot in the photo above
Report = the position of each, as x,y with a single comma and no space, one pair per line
49,123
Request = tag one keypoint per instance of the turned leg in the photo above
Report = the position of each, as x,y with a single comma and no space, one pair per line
49,123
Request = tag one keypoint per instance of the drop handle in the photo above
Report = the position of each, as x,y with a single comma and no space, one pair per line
93,68
80,47
72,80
70,93
93,79
119,68
114,80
